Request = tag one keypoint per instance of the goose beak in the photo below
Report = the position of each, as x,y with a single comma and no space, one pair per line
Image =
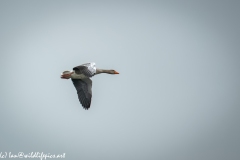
115,72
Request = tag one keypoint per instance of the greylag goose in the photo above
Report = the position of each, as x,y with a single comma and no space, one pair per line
80,76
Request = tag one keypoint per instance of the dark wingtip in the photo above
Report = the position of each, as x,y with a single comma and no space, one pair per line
86,107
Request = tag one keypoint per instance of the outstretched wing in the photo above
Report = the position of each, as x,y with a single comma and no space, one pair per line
84,91
88,69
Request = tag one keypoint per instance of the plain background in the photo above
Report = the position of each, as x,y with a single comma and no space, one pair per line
177,96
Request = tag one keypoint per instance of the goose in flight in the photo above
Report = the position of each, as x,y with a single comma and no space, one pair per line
80,76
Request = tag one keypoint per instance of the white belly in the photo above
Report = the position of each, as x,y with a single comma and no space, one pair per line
78,76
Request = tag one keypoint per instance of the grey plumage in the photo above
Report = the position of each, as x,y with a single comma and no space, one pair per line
84,91
81,80
87,69
84,86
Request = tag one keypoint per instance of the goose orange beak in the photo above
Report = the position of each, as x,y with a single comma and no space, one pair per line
115,72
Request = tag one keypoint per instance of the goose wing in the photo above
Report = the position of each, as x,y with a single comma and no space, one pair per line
84,91
88,69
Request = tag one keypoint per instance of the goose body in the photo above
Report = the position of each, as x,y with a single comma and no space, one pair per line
80,76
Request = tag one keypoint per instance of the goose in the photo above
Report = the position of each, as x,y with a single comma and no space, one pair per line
80,76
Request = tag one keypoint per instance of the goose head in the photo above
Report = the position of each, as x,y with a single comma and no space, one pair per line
113,72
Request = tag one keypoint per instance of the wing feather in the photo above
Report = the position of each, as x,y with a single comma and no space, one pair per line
84,91
88,69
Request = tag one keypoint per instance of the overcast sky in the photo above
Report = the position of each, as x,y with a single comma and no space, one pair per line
177,96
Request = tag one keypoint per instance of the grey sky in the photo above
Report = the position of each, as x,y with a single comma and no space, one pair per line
176,97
